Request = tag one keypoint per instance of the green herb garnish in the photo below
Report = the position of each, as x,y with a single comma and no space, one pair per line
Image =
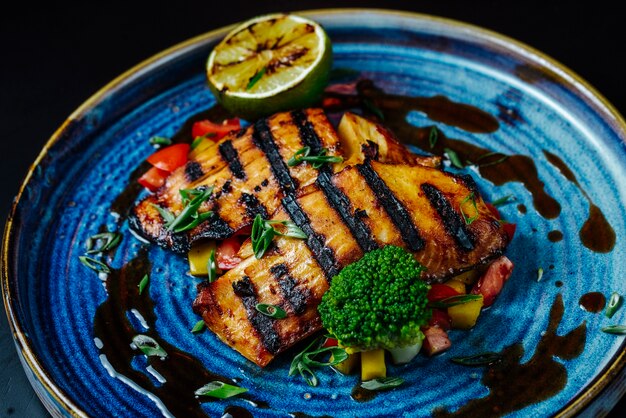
199,327
433,136
96,265
263,232
272,311
478,360
211,267
106,240
382,383
539,274
219,390
255,78
615,302
189,217
470,198
304,361
316,161
453,301
143,283
491,154
615,329
503,200
160,140
197,140
453,157
149,346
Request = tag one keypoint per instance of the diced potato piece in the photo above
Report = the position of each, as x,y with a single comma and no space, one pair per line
373,364
348,365
456,285
469,277
199,257
464,316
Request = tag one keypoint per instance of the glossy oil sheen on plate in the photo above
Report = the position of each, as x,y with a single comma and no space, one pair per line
541,114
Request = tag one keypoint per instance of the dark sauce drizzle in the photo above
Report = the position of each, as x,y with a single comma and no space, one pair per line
596,233
592,302
514,385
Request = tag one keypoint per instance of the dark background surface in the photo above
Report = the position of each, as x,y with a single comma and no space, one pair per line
53,59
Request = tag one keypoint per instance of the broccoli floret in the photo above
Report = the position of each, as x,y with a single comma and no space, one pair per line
378,301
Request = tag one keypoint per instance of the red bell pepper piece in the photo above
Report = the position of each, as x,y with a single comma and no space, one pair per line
226,253
493,280
218,130
170,158
438,292
153,179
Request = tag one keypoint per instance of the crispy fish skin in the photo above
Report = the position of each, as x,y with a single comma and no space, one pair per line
240,170
417,207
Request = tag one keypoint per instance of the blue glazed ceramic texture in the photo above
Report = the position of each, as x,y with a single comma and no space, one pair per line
53,298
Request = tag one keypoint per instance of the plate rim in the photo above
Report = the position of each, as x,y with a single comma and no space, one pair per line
26,352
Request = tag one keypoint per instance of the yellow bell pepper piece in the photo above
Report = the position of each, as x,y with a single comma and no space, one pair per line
456,285
464,316
373,364
199,257
347,366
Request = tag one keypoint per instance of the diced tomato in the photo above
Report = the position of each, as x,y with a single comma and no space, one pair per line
170,158
494,211
438,292
510,230
245,231
206,127
330,342
435,340
153,179
226,253
493,280
440,319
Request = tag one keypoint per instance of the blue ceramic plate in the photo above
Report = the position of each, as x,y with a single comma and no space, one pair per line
51,298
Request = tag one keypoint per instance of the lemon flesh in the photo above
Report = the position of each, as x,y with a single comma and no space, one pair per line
269,64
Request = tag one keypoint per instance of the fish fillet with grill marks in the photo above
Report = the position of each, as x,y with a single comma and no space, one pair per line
249,173
344,215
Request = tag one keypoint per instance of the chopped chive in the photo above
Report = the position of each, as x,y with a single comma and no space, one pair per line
160,140
298,364
382,383
307,374
453,157
263,233
143,283
189,217
165,214
219,390
615,329
212,267
272,311
317,160
107,240
615,302
338,355
96,265
454,300
539,274
433,136
199,327
477,360
503,200
373,109
149,346
470,198
498,161
256,77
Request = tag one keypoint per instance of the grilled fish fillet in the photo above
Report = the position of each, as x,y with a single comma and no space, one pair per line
437,216
250,176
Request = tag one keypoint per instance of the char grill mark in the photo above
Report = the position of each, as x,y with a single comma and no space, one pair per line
397,212
230,155
216,228
253,206
341,204
335,197
264,140
316,243
193,171
289,287
307,132
452,221
262,324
